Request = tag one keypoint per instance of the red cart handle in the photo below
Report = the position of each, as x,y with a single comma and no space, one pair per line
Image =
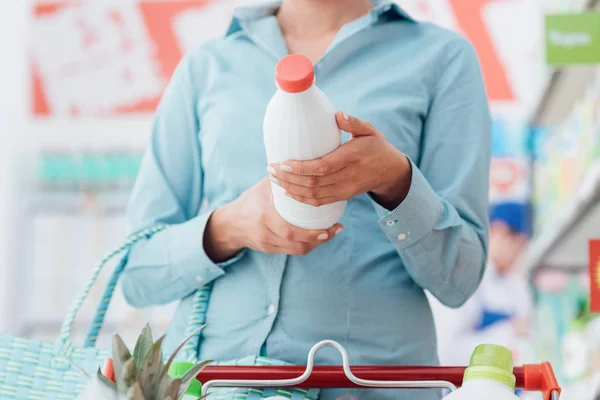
541,378
538,377
535,378
532,378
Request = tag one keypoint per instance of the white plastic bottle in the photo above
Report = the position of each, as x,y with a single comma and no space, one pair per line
300,124
489,376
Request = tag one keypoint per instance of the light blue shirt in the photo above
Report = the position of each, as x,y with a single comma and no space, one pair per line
421,86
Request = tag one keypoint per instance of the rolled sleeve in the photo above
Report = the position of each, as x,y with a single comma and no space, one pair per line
415,217
171,265
195,264
169,190
440,230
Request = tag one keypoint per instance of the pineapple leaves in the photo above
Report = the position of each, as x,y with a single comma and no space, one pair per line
135,392
127,378
152,367
121,356
142,346
143,375
187,339
105,380
169,390
189,376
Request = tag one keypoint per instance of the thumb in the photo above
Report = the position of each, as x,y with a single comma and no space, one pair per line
354,126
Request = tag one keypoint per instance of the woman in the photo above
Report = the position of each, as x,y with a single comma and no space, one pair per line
415,175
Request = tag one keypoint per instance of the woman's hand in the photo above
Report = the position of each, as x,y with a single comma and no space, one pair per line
252,222
366,163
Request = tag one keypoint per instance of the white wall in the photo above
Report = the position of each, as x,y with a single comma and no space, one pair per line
13,100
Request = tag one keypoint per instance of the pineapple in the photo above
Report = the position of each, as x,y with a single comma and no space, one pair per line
143,375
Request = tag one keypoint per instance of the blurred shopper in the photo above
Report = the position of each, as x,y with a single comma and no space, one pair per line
500,311
415,173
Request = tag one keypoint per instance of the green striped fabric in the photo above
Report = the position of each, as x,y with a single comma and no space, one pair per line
257,394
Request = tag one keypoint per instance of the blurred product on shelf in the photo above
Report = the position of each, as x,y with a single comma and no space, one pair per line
106,169
509,180
564,6
565,156
509,138
594,274
566,333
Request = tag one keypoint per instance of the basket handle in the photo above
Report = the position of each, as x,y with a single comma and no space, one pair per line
64,344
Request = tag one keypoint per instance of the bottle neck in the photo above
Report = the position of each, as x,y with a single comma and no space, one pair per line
304,91
490,384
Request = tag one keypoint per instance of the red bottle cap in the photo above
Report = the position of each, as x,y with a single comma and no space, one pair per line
294,73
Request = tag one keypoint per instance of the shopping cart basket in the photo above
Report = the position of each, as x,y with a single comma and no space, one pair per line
534,378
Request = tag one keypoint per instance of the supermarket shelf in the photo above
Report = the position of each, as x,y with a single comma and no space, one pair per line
77,202
564,242
564,86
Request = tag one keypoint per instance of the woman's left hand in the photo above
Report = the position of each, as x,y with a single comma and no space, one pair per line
366,163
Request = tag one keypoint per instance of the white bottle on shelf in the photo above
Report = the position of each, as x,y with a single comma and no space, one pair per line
300,124
489,376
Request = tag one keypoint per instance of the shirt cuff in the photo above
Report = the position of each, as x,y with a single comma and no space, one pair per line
415,217
195,264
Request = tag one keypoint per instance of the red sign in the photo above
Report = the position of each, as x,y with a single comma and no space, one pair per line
115,57
595,275
104,58
470,18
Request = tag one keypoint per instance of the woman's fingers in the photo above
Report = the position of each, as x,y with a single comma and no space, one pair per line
303,248
317,202
335,230
354,126
287,233
309,181
310,192
326,165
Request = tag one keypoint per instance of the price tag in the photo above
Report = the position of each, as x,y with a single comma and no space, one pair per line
595,275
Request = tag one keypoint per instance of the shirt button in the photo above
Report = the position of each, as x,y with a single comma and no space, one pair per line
391,223
402,236
272,309
200,278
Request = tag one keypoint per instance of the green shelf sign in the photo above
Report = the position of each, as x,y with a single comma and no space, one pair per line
573,39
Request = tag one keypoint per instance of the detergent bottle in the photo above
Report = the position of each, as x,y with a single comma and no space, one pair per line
489,376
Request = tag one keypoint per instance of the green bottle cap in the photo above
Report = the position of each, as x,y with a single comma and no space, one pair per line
178,370
491,362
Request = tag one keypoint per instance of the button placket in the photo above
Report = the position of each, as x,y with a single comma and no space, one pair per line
276,265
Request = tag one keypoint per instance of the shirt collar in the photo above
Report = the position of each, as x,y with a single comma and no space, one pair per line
382,9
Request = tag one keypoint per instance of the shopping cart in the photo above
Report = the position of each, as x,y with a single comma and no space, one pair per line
534,378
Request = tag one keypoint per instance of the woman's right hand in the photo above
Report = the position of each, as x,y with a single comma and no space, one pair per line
251,221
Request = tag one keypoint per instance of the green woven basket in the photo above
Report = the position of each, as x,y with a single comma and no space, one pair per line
36,370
